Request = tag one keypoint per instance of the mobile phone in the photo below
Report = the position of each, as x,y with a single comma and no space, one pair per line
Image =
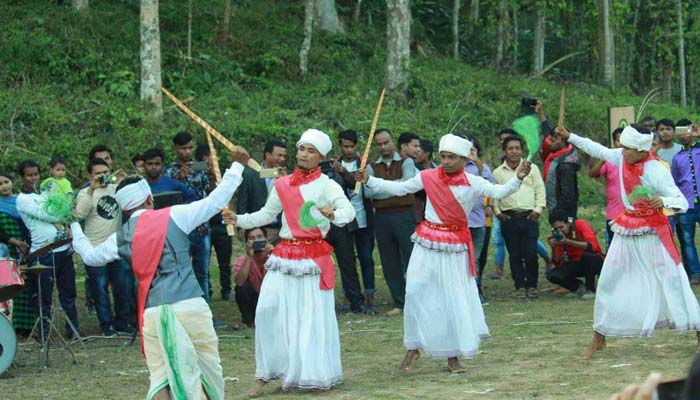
670,389
259,245
107,179
199,166
269,173
527,105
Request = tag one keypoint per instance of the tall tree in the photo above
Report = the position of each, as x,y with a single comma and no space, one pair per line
398,35
308,31
605,53
501,34
227,18
189,31
328,19
356,13
455,29
538,37
80,5
150,57
681,53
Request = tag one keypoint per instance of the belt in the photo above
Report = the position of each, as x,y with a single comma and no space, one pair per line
442,227
514,213
300,242
646,212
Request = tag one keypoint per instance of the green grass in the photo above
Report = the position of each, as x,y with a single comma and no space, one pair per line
533,354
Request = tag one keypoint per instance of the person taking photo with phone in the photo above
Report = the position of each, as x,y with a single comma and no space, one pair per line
249,271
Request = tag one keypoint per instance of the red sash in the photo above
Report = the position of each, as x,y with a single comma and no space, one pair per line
552,156
643,215
292,201
455,225
146,249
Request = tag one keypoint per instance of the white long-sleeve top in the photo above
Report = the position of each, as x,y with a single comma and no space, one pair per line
322,191
655,176
466,195
187,217
40,224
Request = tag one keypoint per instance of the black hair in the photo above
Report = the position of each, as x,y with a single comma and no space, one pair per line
511,138
247,232
137,157
691,389
26,164
128,181
99,148
641,129
55,160
666,122
406,138
427,147
349,135
616,134
95,161
271,144
201,151
182,138
557,214
5,174
684,122
509,131
648,118
475,142
382,130
153,153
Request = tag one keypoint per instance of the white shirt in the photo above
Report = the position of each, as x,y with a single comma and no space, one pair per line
39,223
322,191
187,217
655,176
356,199
467,196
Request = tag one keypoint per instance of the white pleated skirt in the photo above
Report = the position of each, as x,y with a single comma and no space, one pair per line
443,315
296,332
641,289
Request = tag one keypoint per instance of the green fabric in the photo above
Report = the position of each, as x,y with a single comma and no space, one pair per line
167,321
156,389
640,192
22,312
10,226
529,128
306,220
207,388
59,205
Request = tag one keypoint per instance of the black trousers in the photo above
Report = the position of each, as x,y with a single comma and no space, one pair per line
222,244
247,301
343,243
568,273
520,235
483,256
393,231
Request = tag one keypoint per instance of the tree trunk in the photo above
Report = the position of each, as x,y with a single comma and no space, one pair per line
501,34
515,43
473,16
356,13
398,34
189,31
681,53
306,43
538,40
328,19
150,57
605,51
455,29
80,5
227,18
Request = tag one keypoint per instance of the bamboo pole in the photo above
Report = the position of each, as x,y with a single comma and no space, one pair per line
562,104
214,160
370,139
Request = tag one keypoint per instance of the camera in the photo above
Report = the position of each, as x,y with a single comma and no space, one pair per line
557,234
259,245
527,105
327,168
108,179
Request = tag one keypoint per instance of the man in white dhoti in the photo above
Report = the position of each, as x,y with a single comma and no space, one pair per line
443,315
296,331
643,284
177,333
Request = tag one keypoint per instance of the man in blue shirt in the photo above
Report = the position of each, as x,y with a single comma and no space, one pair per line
153,165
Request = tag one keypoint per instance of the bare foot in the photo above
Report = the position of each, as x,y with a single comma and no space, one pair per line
454,366
407,363
597,344
256,391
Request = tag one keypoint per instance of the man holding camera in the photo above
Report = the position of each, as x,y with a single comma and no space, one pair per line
575,252
249,271
97,205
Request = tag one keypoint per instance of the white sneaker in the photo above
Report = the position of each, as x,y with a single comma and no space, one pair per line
588,296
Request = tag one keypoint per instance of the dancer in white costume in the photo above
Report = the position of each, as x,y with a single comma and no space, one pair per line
443,314
296,331
643,284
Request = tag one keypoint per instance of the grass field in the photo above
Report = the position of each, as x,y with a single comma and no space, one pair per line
533,354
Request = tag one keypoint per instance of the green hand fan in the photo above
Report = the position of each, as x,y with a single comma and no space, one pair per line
640,193
309,216
529,128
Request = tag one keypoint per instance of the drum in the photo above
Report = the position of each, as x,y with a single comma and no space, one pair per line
11,282
8,343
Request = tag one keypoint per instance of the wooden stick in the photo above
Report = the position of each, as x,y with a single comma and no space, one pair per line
214,160
370,139
225,142
562,104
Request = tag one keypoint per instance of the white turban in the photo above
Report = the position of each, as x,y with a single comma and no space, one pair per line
455,144
318,139
633,139
133,195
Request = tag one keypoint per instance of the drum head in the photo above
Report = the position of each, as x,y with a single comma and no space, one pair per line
8,343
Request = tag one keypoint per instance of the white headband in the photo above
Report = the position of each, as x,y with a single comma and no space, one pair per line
455,144
633,139
133,195
318,139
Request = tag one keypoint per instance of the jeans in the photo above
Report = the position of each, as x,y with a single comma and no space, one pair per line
520,235
587,267
65,281
687,222
200,250
484,251
478,235
118,275
344,248
393,231
364,245
222,243
498,242
247,301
